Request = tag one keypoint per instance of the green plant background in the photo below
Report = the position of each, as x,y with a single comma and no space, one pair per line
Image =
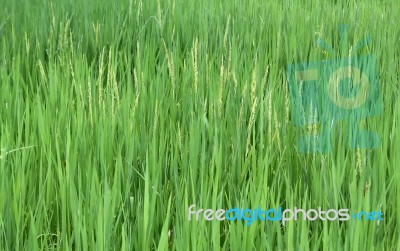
115,116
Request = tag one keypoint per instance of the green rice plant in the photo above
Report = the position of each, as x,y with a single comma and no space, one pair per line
117,116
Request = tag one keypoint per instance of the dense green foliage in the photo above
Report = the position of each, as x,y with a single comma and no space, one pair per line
115,116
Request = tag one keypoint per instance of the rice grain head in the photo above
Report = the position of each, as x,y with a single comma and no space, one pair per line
235,82
159,13
195,65
170,67
155,123
250,126
139,11
244,96
100,80
42,72
359,161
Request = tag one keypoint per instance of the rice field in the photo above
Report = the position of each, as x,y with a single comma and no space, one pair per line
115,117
